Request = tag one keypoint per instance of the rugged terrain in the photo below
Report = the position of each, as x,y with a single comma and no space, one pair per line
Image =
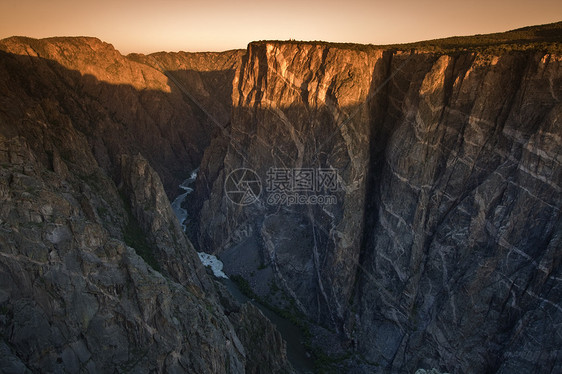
442,249
96,274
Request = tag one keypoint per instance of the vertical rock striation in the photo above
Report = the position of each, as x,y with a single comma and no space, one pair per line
289,118
463,244
444,247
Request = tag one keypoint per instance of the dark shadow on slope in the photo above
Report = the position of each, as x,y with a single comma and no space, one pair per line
169,129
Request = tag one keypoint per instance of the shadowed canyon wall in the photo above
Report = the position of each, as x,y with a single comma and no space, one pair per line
443,249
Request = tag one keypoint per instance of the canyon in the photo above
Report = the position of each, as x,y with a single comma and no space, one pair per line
441,249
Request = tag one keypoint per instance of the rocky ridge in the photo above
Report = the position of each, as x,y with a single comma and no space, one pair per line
126,104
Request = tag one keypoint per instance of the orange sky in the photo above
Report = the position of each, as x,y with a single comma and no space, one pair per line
215,25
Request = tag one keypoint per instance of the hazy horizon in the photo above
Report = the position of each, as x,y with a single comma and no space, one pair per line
213,25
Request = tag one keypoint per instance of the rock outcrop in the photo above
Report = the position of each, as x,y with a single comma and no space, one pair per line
96,274
262,341
443,248
76,299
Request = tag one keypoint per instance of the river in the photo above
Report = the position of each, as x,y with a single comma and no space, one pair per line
301,361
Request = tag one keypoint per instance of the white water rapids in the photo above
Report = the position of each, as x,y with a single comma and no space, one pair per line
214,263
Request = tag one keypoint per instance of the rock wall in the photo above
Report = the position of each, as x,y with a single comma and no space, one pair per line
95,272
465,227
77,299
443,249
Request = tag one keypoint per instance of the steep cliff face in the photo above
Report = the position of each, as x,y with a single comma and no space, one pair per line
76,298
464,234
96,274
443,248
284,118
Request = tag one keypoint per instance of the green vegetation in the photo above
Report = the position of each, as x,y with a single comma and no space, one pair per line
244,287
323,362
544,37
291,314
273,287
135,238
102,211
547,38
94,181
327,364
209,308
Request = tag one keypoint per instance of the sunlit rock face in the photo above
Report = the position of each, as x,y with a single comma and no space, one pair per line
443,249
125,104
